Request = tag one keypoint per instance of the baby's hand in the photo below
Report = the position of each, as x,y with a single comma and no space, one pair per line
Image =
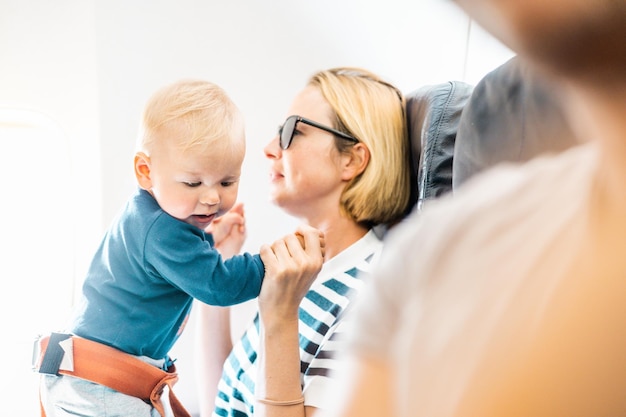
300,235
229,232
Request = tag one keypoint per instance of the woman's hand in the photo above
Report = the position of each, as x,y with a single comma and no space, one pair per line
291,265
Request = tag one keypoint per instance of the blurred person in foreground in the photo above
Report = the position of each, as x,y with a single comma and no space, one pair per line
509,299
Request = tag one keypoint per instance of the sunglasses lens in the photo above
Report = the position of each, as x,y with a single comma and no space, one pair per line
286,133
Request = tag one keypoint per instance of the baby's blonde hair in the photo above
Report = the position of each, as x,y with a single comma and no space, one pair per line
372,110
192,112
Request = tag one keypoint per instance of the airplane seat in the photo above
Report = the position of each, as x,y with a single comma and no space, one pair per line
433,116
458,130
513,115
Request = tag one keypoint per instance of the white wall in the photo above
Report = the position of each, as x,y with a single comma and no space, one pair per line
90,65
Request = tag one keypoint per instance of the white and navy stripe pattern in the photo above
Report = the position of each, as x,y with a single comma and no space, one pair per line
320,333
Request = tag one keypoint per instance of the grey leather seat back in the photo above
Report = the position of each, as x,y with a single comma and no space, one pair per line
513,115
433,115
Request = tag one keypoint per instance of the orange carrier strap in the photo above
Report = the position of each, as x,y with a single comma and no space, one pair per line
120,371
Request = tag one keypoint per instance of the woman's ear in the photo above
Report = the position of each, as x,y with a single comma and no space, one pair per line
355,161
142,170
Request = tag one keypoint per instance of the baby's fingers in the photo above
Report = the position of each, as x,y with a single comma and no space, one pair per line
311,239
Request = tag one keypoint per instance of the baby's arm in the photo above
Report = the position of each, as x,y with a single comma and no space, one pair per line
229,232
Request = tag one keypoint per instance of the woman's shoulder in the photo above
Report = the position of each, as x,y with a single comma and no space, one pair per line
354,260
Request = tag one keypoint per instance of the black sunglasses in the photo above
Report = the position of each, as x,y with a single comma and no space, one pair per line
285,132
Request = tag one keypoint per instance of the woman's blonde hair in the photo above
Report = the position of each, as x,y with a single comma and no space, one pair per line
373,111
192,112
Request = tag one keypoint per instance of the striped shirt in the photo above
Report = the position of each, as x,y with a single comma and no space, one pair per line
320,328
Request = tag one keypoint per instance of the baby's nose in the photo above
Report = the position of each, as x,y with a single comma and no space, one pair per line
210,197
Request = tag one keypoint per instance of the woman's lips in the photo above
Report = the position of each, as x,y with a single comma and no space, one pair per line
274,176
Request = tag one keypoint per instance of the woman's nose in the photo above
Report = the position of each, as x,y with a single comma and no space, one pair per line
272,149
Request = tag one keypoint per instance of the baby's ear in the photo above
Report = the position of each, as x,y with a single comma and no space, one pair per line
142,170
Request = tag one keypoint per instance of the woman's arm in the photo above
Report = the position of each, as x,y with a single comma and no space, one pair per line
291,267
213,344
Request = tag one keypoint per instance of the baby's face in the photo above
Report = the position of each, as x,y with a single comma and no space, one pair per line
197,185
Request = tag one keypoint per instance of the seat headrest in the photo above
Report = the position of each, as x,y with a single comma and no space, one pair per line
513,115
433,114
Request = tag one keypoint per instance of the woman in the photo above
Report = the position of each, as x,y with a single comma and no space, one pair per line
340,164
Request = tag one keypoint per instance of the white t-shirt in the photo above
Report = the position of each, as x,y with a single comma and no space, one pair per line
499,301
321,319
